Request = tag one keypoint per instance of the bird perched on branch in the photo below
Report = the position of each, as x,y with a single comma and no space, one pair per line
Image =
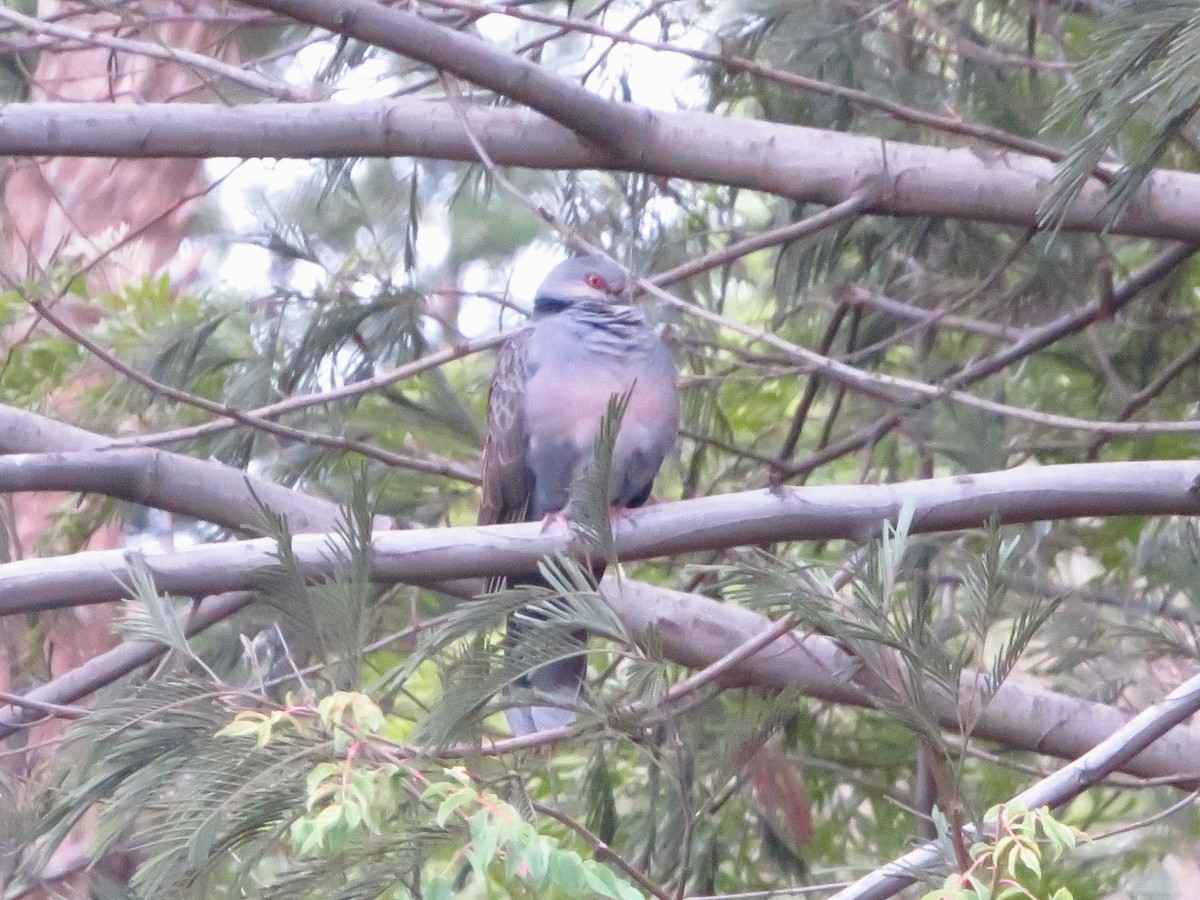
554,380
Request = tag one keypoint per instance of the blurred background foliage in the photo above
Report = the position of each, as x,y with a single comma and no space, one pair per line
301,277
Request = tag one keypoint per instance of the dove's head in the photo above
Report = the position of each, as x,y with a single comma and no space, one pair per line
584,279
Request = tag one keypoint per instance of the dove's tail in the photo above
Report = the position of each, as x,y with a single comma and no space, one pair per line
547,696
560,683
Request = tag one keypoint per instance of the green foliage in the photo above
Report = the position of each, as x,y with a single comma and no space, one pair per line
359,797
1138,89
589,510
896,626
333,617
148,762
321,786
508,849
1010,867
481,674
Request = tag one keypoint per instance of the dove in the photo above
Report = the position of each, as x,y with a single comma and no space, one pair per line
585,342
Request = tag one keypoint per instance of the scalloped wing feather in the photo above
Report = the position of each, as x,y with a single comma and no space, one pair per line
507,485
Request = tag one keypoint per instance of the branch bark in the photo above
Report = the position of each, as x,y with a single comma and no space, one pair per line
802,163
179,484
692,630
854,512
696,631
202,489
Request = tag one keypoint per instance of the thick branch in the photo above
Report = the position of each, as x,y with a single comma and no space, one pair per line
752,517
180,484
695,631
202,489
803,163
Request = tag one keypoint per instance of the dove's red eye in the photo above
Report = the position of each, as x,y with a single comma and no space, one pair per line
597,282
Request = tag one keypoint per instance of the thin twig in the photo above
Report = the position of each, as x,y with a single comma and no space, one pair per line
602,852
443,468
188,58
1033,341
56,710
305,401
858,202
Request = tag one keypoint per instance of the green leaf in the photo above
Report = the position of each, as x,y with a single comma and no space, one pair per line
438,789
1061,837
485,841
605,883
1029,858
566,871
454,801
245,725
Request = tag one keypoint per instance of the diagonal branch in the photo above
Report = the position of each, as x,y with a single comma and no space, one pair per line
619,127
843,212
696,631
862,296
56,456
699,632
888,387
737,64
102,670
1121,745
333,395
189,58
399,460
1033,341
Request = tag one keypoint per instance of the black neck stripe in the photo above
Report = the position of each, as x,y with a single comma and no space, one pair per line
545,306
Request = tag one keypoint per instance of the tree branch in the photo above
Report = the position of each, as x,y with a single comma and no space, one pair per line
187,58
304,401
805,164
620,127
854,512
1146,730
1033,341
154,386
103,670
202,489
696,631
796,81
693,630
931,318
